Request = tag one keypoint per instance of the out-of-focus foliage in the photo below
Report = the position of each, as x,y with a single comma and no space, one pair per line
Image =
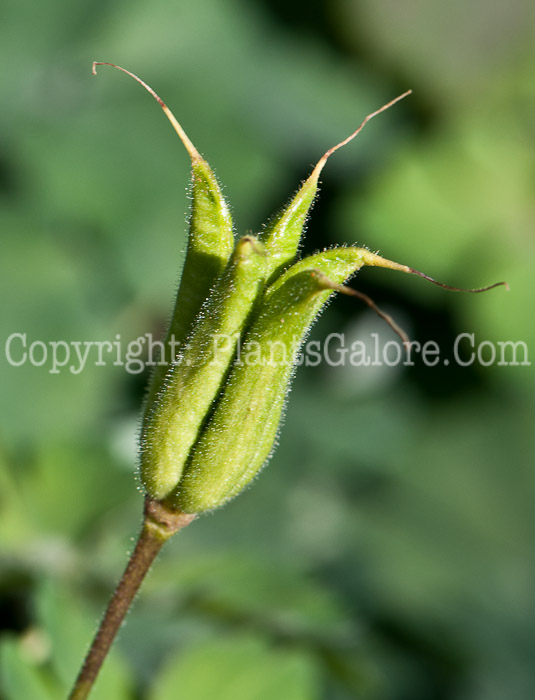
387,551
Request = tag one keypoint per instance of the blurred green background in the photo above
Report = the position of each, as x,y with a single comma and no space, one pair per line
387,551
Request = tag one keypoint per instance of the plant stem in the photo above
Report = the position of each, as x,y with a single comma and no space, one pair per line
159,524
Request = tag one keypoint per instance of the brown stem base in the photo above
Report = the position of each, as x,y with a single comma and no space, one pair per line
159,524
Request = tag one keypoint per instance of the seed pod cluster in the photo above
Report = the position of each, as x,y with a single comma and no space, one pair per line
186,393
242,312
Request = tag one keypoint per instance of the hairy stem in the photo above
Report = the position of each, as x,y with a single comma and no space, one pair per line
159,524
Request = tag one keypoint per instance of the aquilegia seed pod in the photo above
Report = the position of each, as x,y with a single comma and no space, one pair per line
240,317
213,412
210,244
196,375
240,435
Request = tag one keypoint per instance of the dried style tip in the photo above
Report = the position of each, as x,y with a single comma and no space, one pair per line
349,291
457,289
321,163
282,236
373,260
190,148
210,245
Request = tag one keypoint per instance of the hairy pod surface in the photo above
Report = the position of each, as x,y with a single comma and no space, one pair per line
195,377
210,243
240,434
282,235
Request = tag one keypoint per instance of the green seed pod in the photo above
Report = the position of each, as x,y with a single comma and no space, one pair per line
241,433
210,244
282,235
194,379
202,439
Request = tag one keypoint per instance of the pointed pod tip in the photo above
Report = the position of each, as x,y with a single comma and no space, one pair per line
373,260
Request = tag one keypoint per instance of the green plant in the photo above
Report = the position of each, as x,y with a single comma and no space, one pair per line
216,397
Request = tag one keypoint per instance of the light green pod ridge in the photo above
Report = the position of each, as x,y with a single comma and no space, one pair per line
282,235
241,433
194,379
337,264
210,243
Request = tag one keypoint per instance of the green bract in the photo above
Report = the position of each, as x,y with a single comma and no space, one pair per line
241,314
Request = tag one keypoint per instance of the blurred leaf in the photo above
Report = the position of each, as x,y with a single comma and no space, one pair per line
460,209
15,527
240,668
66,487
452,539
447,206
417,39
50,304
504,319
21,679
70,629
267,596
